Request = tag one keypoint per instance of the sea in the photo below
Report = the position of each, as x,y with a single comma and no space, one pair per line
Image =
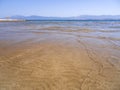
45,29
93,31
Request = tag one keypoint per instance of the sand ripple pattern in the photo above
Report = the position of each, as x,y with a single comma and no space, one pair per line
48,67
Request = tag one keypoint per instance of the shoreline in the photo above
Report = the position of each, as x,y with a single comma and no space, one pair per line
11,20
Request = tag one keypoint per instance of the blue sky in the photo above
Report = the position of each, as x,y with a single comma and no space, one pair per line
61,8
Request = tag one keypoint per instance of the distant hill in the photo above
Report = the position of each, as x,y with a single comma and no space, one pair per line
82,17
37,18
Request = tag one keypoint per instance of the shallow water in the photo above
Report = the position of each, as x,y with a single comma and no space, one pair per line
60,55
103,30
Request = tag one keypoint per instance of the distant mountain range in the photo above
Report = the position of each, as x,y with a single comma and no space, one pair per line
82,17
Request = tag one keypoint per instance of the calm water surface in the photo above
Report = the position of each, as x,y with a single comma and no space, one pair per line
109,30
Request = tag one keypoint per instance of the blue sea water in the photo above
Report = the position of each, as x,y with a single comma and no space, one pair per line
111,28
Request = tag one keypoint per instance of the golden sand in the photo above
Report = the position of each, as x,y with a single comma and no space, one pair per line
73,64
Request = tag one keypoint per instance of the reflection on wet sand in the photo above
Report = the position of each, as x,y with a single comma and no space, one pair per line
59,58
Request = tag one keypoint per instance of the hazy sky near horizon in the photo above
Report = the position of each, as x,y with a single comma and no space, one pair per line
60,8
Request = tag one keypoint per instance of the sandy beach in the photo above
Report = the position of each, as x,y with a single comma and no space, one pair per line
57,58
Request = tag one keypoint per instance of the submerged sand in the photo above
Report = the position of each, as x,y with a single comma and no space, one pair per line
59,61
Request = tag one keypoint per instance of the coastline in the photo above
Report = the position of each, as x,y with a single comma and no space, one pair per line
11,20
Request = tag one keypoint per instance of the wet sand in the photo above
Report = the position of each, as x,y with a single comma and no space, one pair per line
59,61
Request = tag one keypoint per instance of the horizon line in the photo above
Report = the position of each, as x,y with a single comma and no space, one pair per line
60,16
